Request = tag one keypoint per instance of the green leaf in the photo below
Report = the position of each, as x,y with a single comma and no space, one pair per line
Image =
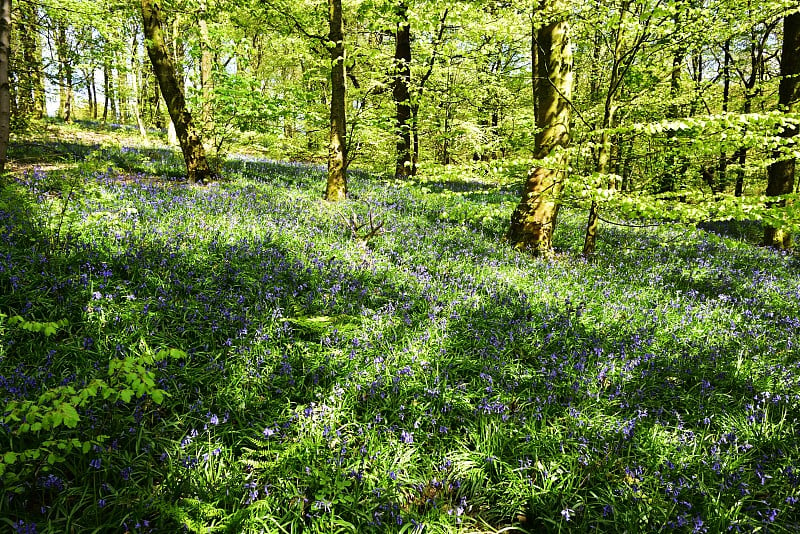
10,457
71,417
157,395
126,395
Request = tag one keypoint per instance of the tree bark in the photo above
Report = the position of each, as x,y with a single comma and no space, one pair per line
108,97
336,188
5,88
780,174
534,219
197,168
400,93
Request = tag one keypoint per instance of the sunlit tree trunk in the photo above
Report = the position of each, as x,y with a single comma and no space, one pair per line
336,188
534,219
5,89
197,168
137,87
781,172
400,93
603,164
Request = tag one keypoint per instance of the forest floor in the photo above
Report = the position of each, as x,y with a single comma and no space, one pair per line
232,358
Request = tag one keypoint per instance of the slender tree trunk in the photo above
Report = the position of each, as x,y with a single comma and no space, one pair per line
27,43
336,188
781,172
5,88
206,65
31,98
65,72
37,72
91,92
668,180
534,219
123,91
137,87
197,168
604,149
423,79
719,185
415,137
107,96
400,92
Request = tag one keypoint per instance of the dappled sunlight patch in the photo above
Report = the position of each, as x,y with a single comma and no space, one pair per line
434,378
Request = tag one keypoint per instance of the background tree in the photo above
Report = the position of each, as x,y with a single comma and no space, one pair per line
534,219
336,188
197,167
400,92
781,172
5,90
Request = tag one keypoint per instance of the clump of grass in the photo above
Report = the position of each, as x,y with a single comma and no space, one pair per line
434,381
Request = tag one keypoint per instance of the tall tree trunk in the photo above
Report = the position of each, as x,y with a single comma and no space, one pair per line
108,97
5,88
197,168
31,99
91,92
604,147
534,219
37,74
781,172
206,65
336,188
741,154
668,180
65,72
719,185
400,92
123,91
423,79
137,87
26,35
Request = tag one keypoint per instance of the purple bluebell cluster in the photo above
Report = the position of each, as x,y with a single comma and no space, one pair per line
434,378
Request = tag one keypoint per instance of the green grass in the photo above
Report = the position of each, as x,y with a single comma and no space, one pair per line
429,380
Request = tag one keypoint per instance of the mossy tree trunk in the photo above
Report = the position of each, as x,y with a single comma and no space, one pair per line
197,168
781,172
336,188
534,219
